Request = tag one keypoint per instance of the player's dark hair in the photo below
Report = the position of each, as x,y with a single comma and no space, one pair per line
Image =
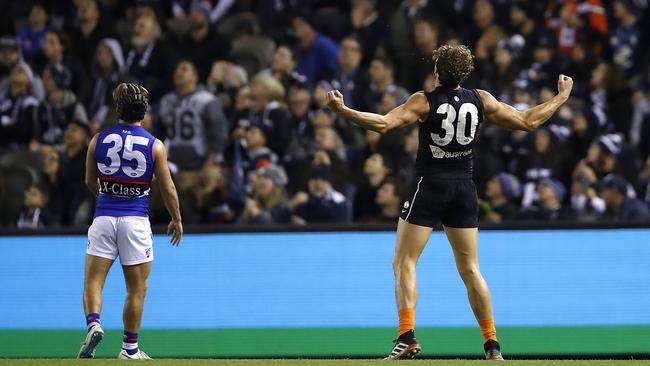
453,64
131,102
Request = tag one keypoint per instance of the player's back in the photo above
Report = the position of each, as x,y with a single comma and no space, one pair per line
124,156
447,136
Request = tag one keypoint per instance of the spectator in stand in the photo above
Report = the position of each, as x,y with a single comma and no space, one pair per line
523,21
226,80
18,110
405,163
584,197
149,59
91,27
10,57
55,183
201,202
604,157
283,67
257,153
275,17
301,125
322,204
402,42
644,181
329,150
583,131
547,158
268,202
489,32
60,105
625,38
501,195
57,50
181,10
375,173
35,213
32,35
620,206
426,33
75,148
203,46
543,69
266,112
499,75
106,74
349,78
369,25
576,20
381,81
611,98
191,123
316,52
390,196
580,66
550,193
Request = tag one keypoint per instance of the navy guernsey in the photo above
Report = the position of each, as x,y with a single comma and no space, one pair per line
448,134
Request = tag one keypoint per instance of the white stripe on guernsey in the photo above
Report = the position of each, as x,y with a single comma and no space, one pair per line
126,345
413,200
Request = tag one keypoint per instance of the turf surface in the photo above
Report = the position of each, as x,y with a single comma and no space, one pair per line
555,342
280,362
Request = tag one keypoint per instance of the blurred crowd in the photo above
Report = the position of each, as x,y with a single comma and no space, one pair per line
238,97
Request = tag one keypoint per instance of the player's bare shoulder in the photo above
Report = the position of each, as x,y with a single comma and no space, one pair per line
490,104
418,104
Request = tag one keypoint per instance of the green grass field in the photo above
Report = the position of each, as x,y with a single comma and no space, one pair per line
280,362
332,342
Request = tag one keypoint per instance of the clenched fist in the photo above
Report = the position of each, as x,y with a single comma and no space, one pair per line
335,101
564,85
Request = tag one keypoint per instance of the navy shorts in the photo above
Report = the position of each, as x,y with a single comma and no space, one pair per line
453,202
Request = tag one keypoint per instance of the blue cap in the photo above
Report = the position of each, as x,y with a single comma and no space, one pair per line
510,186
557,186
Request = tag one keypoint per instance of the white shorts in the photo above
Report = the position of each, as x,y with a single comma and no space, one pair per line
128,237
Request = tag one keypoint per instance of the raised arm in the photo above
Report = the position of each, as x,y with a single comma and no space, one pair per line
506,116
168,191
409,112
91,168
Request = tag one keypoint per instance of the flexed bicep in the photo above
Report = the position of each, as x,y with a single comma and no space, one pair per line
408,113
502,114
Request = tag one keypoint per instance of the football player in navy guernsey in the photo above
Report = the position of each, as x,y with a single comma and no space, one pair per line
448,118
120,166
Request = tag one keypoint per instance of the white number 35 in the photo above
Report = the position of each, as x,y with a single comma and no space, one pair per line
128,154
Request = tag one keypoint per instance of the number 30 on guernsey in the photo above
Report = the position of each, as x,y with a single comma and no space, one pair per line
466,109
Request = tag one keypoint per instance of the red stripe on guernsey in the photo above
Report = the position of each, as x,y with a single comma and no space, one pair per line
119,180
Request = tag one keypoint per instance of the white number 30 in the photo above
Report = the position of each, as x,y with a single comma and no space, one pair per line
448,124
128,154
